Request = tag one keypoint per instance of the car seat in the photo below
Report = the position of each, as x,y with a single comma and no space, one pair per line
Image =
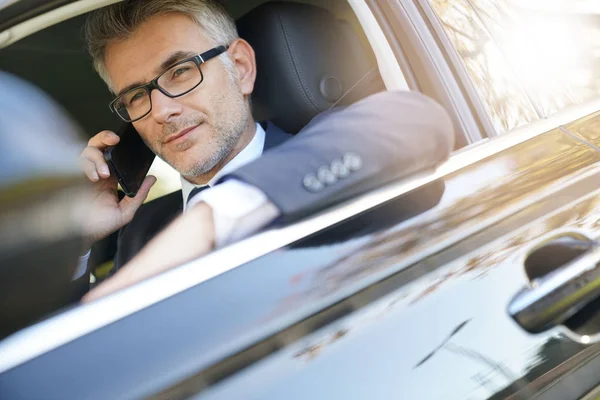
307,60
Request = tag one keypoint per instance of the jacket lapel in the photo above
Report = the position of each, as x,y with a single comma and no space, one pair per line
273,135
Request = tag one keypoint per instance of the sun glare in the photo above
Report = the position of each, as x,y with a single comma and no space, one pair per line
528,59
543,52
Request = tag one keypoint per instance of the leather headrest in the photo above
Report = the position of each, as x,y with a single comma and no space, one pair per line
306,60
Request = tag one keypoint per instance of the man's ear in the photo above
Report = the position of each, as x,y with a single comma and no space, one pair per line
242,55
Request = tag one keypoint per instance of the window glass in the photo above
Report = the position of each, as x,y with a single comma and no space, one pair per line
526,58
68,77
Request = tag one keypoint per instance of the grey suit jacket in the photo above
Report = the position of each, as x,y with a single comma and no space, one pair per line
393,134
339,154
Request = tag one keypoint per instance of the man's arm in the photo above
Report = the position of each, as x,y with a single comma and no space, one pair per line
383,137
186,238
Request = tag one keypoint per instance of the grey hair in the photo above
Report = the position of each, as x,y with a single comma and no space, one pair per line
120,20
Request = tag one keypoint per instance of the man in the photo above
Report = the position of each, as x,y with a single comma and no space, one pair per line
183,78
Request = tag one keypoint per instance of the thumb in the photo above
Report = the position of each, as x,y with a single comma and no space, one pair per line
145,187
129,205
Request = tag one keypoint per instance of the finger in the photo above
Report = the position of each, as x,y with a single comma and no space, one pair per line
129,205
104,139
95,156
89,169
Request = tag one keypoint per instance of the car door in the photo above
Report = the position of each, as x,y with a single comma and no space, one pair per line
423,289
403,293
427,308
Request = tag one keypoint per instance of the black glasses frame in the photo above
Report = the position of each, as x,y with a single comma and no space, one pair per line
198,59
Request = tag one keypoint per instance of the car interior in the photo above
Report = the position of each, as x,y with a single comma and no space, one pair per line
311,56
314,53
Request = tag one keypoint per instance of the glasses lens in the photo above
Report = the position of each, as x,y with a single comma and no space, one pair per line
133,104
180,78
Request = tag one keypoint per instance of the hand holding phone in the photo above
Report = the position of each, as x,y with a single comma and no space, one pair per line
108,211
129,160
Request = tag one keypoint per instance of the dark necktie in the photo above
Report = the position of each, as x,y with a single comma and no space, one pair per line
194,192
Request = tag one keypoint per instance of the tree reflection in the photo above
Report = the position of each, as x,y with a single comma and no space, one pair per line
314,348
524,63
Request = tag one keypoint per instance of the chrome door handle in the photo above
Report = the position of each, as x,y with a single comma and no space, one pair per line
553,298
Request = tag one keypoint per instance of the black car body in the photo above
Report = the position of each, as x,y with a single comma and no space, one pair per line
474,281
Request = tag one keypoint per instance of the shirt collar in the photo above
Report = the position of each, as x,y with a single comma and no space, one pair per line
251,152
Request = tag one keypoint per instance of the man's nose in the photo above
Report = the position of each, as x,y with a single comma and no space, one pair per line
164,107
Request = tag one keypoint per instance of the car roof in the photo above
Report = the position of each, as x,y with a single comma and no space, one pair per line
15,12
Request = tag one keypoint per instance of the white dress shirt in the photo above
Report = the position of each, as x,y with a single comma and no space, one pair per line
238,209
248,154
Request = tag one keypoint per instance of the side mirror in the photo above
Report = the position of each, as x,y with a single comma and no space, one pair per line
42,203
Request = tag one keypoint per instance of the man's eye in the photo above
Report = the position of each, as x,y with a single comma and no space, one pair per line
181,72
136,97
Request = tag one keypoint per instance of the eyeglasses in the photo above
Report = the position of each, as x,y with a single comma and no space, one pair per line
177,80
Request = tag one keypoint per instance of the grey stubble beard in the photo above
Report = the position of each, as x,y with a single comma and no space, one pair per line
228,127
229,130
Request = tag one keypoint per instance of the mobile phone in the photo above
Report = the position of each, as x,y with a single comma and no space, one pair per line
129,160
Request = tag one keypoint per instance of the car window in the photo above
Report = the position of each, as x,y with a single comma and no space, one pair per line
68,77
55,60
527,59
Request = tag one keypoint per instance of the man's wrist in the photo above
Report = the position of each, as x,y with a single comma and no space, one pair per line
238,210
203,213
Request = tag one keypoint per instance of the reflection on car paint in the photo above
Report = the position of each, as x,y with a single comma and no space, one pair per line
491,357
587,128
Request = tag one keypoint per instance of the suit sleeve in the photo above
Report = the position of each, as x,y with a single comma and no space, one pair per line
383,137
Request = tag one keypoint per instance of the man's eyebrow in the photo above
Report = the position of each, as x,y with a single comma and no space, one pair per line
172,59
